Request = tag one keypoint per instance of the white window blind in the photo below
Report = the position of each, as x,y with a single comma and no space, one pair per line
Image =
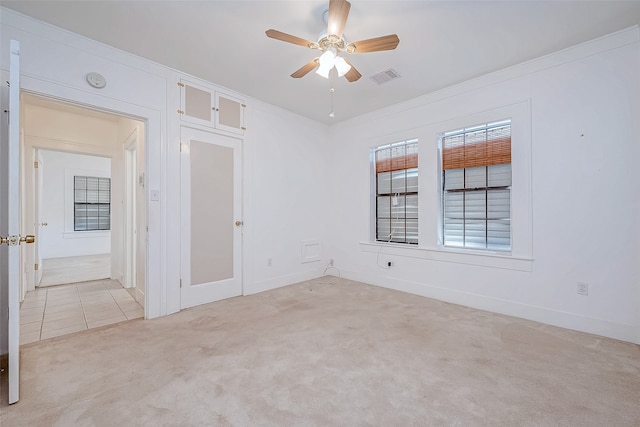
476,176
396,177
92,203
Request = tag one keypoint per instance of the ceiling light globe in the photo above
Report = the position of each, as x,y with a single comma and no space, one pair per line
327,59
324,71
341,66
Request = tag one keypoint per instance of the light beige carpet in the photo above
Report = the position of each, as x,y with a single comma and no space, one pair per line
333,353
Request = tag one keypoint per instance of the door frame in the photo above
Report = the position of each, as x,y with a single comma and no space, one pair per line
155,292
37,208
130,211
33,207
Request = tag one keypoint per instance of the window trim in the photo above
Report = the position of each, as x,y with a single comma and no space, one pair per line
521,195
430,247
484,258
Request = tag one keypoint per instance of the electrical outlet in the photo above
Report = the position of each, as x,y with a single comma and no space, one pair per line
331,262
583,288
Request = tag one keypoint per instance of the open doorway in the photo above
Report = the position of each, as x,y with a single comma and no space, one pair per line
73,217
83,181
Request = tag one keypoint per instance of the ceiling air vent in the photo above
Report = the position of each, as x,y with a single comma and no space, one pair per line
385,76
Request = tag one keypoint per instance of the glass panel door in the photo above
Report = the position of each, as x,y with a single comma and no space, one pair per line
211,229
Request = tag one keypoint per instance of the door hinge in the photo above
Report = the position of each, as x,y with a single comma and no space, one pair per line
35,165
35,267
180,84
180,283
180,112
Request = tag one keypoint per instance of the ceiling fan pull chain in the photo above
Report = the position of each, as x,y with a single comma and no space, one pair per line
332,114
331,91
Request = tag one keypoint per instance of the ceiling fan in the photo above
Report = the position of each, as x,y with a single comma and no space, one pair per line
333,44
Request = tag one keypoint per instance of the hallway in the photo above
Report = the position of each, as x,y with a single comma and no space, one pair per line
59,310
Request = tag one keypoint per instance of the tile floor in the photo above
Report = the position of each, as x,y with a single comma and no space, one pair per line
54,311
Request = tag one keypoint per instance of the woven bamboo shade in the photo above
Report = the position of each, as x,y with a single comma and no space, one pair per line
397,157
408,161
477,148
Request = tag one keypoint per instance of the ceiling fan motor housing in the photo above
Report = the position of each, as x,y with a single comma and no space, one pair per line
331,41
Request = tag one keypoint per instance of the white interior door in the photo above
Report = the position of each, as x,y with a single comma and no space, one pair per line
211,218
13,223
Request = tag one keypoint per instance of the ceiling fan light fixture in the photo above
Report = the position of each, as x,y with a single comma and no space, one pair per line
327,61
323,71
341,66
331,43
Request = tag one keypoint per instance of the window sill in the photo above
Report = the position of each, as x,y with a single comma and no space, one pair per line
85,234
470,257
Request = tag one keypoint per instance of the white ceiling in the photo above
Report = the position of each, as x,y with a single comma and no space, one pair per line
441,42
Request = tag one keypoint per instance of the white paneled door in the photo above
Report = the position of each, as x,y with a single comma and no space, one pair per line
13,238
211,217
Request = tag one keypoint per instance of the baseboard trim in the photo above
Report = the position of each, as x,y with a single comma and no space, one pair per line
547,316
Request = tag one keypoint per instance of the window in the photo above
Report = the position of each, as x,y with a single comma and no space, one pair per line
476,187
92,203
396,176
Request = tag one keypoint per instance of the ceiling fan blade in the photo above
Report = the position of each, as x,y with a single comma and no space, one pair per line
374,45
352,75
279,35
338,13
305,69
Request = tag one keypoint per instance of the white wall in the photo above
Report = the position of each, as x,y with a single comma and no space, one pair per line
58,239
575,213
285,203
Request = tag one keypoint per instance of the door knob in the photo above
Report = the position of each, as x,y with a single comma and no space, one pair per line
238,223
15,240
44,224
29,238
